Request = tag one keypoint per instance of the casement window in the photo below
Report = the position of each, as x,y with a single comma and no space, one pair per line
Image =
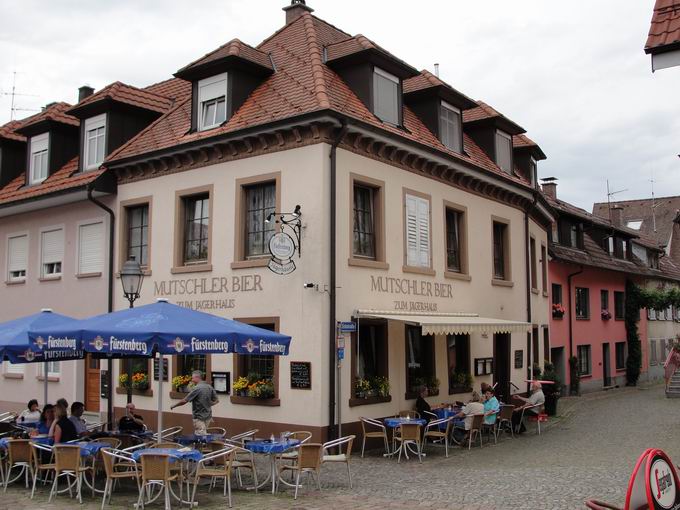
504,151
534,265
260,202
137,220
458,352
556,294
501,243
533,171
571,234
39,158
186,365
584,363
386,96
420,361
91,248
544,267
455,252
450,131
620,351
136,366
418,249
51,253
619,305
196,228
364,230
604,299
651,314
582,303
653,358
212,101
259,367
17,258
669,313
14,368
53,369
95,142
370,350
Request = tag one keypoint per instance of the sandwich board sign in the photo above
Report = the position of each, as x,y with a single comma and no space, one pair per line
654,483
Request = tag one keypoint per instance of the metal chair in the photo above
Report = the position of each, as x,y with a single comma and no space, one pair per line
407,434
340,457
168,433
113,461
380,433
308,461
409,414
19,456
67,463
240,438
166,444
433,430
217,464
476,430
535,409
491,428
504,421
217,431
301,435
242,459
156,471
38,452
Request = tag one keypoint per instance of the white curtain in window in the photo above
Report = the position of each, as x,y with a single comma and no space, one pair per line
52,246
17,254
417,231
91,248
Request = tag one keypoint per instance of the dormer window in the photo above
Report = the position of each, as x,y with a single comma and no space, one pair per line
386,96
504,151
533,171
95,141
450,127
212,101
39,157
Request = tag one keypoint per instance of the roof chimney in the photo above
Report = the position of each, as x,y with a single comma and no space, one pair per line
48,105
549,187
84,91
616,213
295,10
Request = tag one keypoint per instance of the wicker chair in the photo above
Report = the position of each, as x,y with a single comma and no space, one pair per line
118,465
370,423
169,433
505,420
113,441
156,470
241,459
40,452
433,431
308,461
166,444
217,431
19,456
491,428
409,433
475,430
240,438
67,463
220,467
340,456
128,441
301,435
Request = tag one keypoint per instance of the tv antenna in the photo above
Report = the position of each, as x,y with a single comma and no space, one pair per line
610,194
654,204
13,94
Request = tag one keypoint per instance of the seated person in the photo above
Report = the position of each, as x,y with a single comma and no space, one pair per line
63,403
46,420
472,408
491,406
537,398
131,422
77,410
421,404
59,405
64,430
31,414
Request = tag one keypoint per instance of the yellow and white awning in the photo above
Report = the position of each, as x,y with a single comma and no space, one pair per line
449,323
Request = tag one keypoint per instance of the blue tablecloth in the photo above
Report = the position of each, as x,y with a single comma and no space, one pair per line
445,412
194,455
41,440
271,447
90,448
195,438
395,422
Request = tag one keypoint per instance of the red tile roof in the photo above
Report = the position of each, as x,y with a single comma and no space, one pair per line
7,131
55,112
174,88
664,30
358,44
127,94
234,48
523,141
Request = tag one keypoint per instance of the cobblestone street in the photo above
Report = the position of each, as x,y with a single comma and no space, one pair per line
589,452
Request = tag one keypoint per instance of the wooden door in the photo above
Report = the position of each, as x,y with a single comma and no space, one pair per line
91,384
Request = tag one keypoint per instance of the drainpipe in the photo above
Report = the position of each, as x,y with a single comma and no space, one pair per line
571,316
527,257
109,364
332,324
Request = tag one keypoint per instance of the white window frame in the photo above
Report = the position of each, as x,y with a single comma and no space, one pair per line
459,141
55,275
533,168
384,74
205,95
508,137
40,144
94,124
418,249
87,223
51,372
8,265
14,368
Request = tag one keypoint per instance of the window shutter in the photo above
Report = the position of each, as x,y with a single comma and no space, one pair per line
91,248
424,232
18,254
52,246
411,231
417,231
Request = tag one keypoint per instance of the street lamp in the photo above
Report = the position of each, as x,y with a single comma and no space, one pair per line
131,277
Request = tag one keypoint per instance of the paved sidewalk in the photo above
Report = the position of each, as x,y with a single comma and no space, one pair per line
588,451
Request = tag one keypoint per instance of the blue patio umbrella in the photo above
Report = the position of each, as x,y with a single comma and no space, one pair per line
164,328
17,347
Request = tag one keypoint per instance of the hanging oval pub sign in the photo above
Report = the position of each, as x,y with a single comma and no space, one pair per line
282,249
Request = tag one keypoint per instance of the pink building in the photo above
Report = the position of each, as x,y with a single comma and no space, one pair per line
591,258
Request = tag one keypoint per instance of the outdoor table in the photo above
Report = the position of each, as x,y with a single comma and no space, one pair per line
272,449
190,439
446,412
393,423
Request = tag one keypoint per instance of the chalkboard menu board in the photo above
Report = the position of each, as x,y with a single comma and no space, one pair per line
301,375
519,359
156,368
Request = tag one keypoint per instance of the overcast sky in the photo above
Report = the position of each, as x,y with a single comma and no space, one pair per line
573,74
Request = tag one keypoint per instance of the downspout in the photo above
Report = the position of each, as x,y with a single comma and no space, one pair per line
109,364
332,324
527,257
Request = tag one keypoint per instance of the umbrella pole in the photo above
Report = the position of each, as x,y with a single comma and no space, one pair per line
160,395
45,372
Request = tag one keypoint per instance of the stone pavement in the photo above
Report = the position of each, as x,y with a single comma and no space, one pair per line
589,451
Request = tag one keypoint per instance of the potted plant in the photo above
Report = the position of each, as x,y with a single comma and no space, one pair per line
606,315
140,381
433,386
553,391
462,382
262,389
240,387
558,310
123,380
361,388
180,382
381,386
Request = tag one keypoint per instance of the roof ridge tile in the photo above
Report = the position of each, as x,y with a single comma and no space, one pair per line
316,61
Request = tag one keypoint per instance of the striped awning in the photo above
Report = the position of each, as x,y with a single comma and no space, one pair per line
449,323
